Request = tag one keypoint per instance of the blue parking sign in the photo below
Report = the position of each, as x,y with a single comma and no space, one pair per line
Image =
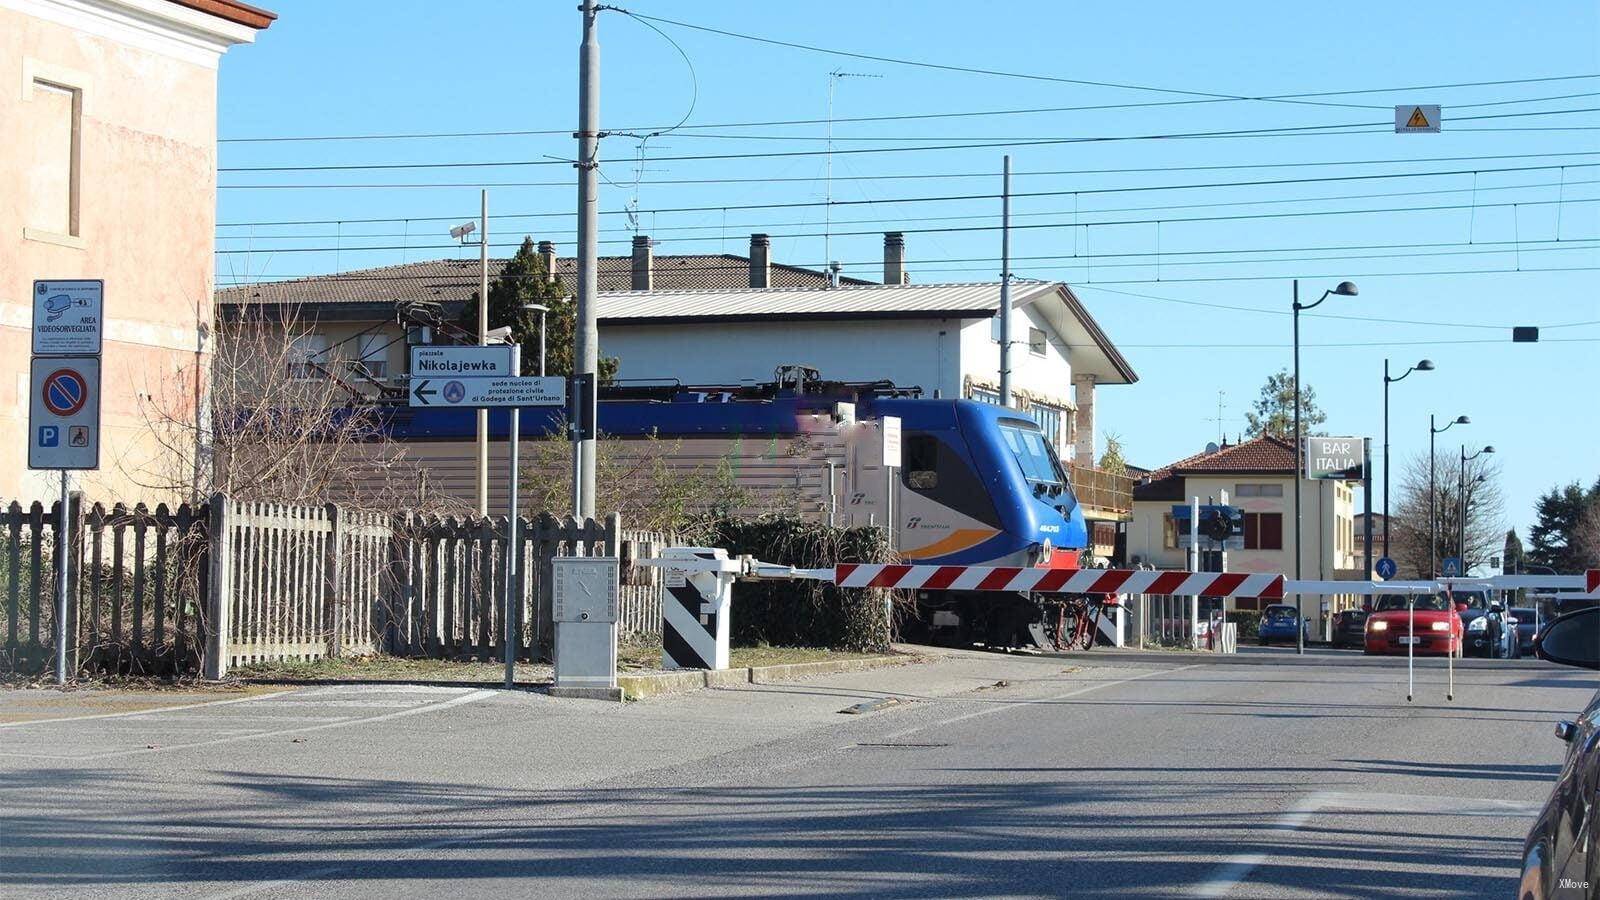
49,436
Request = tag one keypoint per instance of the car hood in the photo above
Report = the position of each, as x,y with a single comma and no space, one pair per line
1401,615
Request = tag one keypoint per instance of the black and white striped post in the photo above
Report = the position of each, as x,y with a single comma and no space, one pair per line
694,612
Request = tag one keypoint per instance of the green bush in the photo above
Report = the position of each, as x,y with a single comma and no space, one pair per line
1249,623
804,613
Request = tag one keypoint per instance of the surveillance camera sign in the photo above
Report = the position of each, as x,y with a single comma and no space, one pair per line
67,317
1336,458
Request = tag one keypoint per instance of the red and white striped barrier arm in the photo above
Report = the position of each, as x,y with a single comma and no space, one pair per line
1592,581
1065,581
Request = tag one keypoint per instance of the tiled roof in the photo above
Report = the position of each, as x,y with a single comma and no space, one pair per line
1264,455
446,280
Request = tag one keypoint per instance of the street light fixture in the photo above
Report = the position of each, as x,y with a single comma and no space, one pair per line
1345,289
541,309
1461,490
1424,365
1433,522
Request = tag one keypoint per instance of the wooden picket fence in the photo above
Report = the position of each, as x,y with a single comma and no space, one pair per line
210,586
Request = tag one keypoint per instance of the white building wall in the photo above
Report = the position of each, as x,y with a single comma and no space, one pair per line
921,352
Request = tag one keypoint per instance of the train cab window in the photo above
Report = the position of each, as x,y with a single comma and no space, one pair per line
922,462
1032,453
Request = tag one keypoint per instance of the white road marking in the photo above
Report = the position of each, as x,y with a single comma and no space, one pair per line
144,712
1231,873
1005,706
437,706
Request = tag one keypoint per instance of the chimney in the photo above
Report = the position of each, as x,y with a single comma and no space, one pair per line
547,256
760,261
643,262
894,257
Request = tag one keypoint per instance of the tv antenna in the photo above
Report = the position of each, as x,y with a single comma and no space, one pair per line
827,207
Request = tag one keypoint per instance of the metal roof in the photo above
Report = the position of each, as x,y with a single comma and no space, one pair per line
979,300
1092,351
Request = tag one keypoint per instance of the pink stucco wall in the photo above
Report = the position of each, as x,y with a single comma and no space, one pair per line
147,215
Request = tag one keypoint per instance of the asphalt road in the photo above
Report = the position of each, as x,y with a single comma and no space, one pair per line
1071,779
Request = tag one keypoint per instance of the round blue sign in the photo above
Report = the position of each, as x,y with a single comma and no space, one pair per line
455,391
1386,568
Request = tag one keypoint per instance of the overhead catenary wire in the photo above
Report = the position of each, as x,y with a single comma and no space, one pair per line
1165,220
1476,171
902,117
902,220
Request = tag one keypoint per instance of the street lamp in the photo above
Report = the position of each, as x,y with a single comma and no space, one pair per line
1345,289
1425,365
1461,488
1433,522
541,309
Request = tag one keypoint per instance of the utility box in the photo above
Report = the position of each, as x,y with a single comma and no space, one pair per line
585,599
695,612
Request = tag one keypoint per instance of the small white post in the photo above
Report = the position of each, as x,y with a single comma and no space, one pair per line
1411,647
1450,657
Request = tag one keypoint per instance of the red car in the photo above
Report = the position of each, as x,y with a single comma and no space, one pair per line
1438,627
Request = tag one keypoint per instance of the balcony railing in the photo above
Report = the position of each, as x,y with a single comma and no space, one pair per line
1103,491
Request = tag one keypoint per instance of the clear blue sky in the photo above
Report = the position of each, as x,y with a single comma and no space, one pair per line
360,67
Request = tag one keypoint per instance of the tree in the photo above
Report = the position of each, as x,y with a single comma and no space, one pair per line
1273,412
1485,513
1112,460
1566,536
524,281
1515,557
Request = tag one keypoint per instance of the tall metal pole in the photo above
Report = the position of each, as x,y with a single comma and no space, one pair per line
586,349
513,553
1461,503
1005,282
1385,458
483,340
1366,504
1433,522
63,549
1299,608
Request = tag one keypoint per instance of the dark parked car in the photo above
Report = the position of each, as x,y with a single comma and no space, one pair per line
1528,621
1350,627
1490,632
1560,859
1277,624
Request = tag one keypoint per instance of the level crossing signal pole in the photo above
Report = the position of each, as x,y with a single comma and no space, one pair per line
586,349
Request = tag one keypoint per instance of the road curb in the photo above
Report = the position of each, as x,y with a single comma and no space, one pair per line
587,693
791,671
655,684
1185,657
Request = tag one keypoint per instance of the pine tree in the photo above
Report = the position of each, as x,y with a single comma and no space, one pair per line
1273,413
524,281
1515,557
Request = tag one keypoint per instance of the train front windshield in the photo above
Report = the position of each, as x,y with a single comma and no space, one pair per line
1038,463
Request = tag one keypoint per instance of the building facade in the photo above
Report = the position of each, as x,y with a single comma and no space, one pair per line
1257,476
108,110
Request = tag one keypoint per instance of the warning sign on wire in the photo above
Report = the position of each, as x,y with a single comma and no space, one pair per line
1413,118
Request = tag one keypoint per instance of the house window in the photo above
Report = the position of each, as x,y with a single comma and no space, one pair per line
1169,532
51,154
371,356
308,355
1258,490
1049,419
1263,531
984,395
1036,341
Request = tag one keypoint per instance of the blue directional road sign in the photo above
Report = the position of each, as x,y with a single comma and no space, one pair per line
1451,566
1386,568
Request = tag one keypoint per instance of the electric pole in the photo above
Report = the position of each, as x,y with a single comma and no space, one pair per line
586,349
1005,282
483,341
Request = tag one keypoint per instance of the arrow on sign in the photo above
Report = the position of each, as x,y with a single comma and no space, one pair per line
422,395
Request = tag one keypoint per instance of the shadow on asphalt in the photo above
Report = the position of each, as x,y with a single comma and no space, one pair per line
912,837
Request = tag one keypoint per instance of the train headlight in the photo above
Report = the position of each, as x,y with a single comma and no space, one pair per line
1046,551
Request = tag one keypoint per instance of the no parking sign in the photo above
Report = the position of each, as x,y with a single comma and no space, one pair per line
64,413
